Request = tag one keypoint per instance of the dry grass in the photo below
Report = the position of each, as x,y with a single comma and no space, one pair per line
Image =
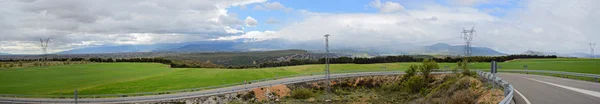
261,94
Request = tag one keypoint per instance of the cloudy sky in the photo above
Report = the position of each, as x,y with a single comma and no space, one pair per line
510,26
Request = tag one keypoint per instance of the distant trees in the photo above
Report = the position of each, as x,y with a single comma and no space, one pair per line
390,59
292,62
193,64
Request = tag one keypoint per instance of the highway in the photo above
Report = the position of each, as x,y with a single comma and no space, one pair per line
537,89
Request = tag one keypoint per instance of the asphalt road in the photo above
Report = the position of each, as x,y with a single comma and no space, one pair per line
538,89
197,93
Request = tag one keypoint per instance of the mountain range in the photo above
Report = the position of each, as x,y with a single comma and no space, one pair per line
230,46
200,46
446,49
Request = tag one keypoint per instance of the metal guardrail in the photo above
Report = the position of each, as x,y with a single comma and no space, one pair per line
182,90
559,73
508,88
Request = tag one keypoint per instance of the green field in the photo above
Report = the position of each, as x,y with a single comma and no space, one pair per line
118,78
115,78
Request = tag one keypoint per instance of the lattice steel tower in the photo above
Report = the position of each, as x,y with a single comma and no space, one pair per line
468,35
327,65
44,45
592,46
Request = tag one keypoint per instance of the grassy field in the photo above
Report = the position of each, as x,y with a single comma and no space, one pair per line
118,78
115,78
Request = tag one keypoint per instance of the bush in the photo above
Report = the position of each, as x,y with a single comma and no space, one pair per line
464,66
302,93
411,71
463,97
427,67
414,84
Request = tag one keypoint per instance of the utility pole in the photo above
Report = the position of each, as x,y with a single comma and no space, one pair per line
468,37
592,46
75,96
327,65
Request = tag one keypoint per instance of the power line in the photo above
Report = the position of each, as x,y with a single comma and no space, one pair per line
468,35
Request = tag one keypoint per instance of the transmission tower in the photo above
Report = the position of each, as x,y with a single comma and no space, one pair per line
592,46
327,65
44,45
468,35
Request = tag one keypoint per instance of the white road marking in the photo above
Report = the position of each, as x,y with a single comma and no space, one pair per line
588,92
524,98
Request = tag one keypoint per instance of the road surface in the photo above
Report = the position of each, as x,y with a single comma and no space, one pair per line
538,89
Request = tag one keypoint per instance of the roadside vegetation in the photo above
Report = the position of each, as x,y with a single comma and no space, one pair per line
416,86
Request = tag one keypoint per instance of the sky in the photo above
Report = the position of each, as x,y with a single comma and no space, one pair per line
510,26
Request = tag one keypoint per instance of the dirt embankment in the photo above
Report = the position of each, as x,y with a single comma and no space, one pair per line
447,89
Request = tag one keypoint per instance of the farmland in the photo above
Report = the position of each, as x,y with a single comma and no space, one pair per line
118,78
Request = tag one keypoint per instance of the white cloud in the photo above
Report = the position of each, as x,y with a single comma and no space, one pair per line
251,21
252,36
272,21
571,23
468,2
272,6
243,7
82,21
387,7
537,30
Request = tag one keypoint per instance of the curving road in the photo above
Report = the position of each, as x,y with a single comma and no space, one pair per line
537,89
203,93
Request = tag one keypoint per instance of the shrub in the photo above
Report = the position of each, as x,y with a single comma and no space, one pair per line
427,67
463,97
411,71
414,84
464,66
302,93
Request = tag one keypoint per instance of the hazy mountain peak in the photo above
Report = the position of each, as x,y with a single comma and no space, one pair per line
440,45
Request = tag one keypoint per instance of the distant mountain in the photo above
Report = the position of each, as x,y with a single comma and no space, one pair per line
348,53
121,49
215,46
530,52
4,54
446,49
200,46
579,55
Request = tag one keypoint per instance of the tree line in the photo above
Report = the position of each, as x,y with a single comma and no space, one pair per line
402,58
292,62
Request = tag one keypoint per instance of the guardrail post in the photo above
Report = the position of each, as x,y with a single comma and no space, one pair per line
596,79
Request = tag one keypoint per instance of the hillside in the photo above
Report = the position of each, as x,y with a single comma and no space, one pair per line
236,58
